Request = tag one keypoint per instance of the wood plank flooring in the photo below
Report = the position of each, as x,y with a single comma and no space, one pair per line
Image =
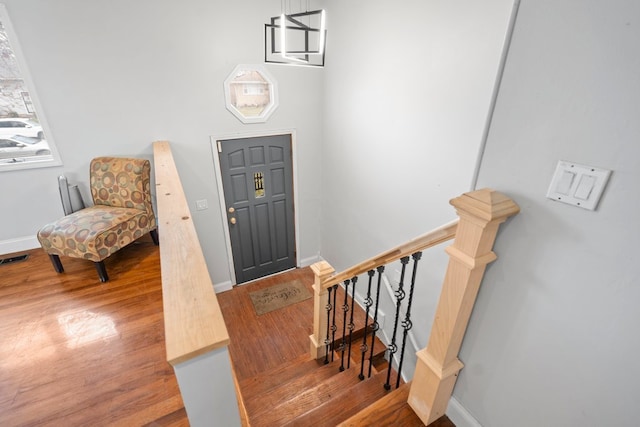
261,343
76,352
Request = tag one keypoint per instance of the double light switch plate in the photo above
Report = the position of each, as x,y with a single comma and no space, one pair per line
578,185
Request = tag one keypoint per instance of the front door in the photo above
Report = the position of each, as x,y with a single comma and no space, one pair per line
258,192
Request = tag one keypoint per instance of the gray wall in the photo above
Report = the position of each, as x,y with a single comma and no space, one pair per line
408,91
396,118
554,336
114,76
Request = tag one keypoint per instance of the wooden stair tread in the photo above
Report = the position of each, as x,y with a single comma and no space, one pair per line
358,331
358,316
301,395
392,410
259,384
344,404
379,362
285,391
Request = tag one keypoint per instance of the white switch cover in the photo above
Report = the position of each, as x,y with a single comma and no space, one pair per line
578,185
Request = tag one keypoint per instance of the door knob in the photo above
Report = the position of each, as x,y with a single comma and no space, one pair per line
232,220
231,210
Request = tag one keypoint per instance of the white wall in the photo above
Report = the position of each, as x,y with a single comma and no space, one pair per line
408,86
113,76
554,338
408,90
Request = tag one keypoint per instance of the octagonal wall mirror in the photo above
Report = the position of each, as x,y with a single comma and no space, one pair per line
251,93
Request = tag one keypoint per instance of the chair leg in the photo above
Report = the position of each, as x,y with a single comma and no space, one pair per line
102,271
154,236
57,265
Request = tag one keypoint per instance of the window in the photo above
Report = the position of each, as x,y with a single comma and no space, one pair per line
251,93
25,141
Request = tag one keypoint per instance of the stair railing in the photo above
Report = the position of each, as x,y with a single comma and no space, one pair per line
480,214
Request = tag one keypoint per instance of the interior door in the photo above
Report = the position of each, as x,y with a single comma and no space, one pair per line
258,190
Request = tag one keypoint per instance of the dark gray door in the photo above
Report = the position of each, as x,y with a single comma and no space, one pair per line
258,192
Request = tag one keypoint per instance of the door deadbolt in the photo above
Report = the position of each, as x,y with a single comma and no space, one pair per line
231,209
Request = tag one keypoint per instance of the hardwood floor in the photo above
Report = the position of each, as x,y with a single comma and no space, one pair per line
261,343
76,352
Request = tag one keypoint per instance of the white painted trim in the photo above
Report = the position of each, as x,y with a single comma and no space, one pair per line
459,415
223,206
273,92
20,244
26,77
294,176
494,96
306,262
224,286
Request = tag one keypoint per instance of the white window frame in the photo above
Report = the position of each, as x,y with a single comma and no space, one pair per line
270,82
26,77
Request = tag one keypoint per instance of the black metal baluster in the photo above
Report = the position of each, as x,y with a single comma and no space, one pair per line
345,309
351,325
327,341
374,325
399,294
406,323
367,302
334,328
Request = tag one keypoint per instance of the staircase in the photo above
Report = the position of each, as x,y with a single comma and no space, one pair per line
307,392
326,387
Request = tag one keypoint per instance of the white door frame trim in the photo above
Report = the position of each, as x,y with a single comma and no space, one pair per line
221,200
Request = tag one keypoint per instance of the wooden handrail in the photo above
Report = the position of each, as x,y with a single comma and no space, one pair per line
480,214
193,321
432,238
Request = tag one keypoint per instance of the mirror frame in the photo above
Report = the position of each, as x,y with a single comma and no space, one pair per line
272,87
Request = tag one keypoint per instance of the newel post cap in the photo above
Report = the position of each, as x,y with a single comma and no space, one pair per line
322,269
486,204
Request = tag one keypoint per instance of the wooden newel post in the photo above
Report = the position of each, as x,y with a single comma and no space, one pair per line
481,212
322,270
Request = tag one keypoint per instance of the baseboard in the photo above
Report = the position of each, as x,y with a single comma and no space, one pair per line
224,286
459,415
18,245
306,262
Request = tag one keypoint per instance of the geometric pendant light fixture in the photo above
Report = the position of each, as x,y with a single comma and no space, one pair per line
297,38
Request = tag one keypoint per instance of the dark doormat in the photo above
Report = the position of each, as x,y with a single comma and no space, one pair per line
278,296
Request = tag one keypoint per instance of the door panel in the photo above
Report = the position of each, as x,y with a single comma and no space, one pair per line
263,227
257,180
282,246
278,182
239,188
245,239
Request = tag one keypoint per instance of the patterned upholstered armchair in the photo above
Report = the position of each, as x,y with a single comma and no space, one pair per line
122,212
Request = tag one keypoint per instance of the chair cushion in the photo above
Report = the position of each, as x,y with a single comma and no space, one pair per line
94,233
